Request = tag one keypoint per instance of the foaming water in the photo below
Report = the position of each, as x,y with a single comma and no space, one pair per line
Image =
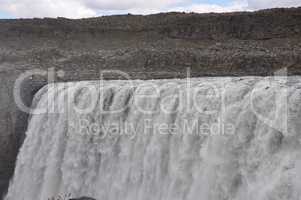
208,139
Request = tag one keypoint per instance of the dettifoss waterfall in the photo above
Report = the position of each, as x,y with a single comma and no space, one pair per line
204,138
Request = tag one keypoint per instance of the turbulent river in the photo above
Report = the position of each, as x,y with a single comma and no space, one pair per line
204,138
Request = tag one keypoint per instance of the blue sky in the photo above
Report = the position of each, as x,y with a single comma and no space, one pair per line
4,15
91,8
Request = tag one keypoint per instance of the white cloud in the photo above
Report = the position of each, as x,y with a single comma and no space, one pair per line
205,8
46,8
130,4
198,8
262,4
88,8
81,8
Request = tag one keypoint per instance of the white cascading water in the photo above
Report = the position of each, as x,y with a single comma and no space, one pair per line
207,139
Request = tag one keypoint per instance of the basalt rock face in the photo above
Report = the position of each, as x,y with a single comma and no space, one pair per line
145,47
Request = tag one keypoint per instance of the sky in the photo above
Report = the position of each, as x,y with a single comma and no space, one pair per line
91,8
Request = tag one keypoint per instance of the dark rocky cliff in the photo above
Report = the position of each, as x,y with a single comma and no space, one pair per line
154,46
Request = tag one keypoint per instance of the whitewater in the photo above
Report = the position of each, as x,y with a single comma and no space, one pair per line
219,138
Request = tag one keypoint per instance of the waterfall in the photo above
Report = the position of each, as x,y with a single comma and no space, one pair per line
204,138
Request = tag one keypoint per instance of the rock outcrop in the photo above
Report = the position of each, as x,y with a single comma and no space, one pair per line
145,47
